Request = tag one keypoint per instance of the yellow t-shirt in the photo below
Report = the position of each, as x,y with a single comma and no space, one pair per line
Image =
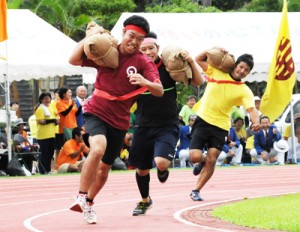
53,104
32,125
45,131
219,98
287,131
250,142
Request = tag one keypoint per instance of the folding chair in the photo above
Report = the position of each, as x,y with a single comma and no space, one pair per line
26,156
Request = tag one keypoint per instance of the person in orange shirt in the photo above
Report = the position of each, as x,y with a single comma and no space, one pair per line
72,154
67,110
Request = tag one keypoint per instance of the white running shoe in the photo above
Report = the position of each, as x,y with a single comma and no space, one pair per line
90,215
79,204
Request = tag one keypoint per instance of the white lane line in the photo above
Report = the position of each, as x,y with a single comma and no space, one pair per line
177,214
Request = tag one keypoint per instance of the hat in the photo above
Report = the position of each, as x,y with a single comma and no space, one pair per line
256,98
281,146
220,59
178,68
19,121
297,115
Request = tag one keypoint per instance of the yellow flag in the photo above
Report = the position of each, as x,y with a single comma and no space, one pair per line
3,31
281,78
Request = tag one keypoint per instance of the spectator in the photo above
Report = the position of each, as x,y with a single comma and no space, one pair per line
15,106
232,150
263,151
23,147
33,129
184,141
73,153
59,137
67,111
81,94
291,155
46,121
187,109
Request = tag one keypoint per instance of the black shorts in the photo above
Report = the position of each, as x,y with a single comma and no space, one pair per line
152,142
114,136
207,135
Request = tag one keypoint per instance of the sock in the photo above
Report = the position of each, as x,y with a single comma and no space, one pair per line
143,184
89,200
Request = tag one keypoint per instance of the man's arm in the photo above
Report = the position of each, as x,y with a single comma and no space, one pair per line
76,57
197,77
201,60
155,88
254,117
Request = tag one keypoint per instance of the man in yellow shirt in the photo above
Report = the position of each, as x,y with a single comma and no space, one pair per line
72,154
223,91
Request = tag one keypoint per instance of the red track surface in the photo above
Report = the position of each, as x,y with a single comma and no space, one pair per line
41,203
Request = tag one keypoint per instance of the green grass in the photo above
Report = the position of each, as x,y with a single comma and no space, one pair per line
276,213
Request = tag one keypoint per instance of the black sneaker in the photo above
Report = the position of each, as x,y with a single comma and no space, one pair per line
142,208
197,168
162,175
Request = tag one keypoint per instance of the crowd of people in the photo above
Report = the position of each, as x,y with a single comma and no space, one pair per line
87,134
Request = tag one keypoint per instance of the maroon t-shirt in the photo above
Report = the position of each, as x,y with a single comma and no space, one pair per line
116,82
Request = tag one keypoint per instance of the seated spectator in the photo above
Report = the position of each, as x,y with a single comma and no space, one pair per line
288,129
23,146
232,150
291,155
72,154
184,141
263,151
187,109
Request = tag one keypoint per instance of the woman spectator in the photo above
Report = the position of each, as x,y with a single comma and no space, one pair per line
46,121
67,110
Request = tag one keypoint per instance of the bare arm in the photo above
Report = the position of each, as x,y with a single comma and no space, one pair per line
254,117
156,89
201,60
197,77
76,57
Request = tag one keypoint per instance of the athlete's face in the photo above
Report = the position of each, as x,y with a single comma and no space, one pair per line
241,71
131,41
150,49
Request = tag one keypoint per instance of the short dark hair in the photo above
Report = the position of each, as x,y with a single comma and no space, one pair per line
13,102
263,117
138,21
76,131
56,90
238,119
191,97
45,94
62,91
151,34
247,58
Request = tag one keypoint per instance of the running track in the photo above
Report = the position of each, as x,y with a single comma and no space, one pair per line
41,203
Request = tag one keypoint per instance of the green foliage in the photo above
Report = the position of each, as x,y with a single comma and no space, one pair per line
229,5
174,6
263,6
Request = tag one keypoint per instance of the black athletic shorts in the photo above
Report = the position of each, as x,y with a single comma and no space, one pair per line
114,136
206,135
152,142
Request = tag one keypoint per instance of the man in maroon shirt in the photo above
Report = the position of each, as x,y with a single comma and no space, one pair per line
107,113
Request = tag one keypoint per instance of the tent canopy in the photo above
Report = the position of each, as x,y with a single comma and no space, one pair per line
35,49
238,32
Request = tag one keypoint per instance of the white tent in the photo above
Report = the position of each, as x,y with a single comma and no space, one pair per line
34,49
253,33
